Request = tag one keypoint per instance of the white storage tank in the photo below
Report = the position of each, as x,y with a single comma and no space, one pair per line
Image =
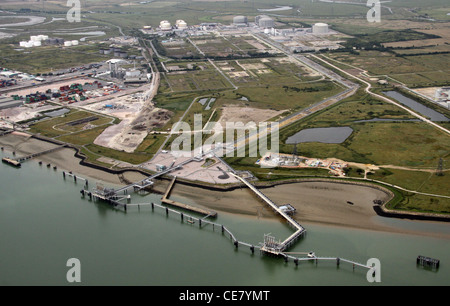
37,43
265,22
181,24
240,20
74,42
165,25
23,43
320,28
67,44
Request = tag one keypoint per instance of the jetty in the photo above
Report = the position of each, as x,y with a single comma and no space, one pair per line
201,211
17,161
11,161
427,262
270,245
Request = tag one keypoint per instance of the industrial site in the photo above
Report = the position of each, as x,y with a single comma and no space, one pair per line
196,132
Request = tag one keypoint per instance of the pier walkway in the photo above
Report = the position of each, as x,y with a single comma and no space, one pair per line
17,161
5,132
24,158
199,210
273,247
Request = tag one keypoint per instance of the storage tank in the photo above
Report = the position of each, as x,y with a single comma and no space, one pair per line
67,44
240,20
257,18
23,43
265,22
165,25
320,28
181,24
75,43
37,43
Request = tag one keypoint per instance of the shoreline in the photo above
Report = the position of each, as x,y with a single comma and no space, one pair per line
332,209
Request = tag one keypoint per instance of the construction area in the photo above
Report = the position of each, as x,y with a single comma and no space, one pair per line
270,160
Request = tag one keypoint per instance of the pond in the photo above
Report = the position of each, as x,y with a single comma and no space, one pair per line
416,106
324,135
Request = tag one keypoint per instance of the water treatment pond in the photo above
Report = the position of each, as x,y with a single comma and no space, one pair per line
324,135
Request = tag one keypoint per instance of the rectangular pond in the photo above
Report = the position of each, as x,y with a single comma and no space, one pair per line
324,135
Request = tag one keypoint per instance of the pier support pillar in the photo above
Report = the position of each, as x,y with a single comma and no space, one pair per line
338,261
182,216
153,206
236,243
167,211
296,261
252,248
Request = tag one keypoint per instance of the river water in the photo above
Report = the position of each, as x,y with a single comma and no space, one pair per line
44,221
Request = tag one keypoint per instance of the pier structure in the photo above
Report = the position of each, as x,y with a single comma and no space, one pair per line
427,262
201,211
270,245
17,161
203,223
5,132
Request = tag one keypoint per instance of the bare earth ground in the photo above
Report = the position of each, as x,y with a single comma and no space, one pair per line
246,114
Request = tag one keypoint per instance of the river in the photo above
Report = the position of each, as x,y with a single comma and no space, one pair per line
44,221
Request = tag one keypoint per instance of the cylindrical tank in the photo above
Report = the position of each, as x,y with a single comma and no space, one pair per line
67,44
320,28
265,22
165,25
240,19
181,24
74,42
37,43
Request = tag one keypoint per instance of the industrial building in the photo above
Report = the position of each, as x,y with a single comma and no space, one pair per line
320,28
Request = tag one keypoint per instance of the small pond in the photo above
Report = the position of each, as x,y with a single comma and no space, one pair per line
324,135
